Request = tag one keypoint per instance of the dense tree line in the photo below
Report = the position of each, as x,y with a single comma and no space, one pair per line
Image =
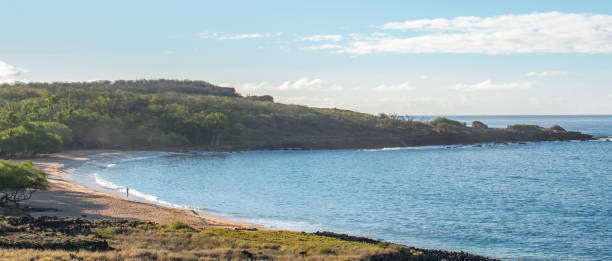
46,117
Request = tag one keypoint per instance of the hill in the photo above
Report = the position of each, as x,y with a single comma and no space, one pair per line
46,117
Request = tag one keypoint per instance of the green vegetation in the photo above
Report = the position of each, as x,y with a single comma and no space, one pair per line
416,252
444,125
525,127
327,251
382,244
106,232
479,125
557,128
33,137
46,117
165,113
177,225
19,181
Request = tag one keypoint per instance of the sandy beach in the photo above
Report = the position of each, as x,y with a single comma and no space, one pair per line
73,200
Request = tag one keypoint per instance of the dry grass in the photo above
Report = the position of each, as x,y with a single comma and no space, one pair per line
153,242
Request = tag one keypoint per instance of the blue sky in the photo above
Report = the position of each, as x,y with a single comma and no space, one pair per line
413,58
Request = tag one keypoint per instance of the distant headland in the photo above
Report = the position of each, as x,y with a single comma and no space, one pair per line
182,114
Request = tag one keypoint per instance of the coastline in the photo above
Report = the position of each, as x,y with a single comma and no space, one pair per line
70,199
67,200
74,200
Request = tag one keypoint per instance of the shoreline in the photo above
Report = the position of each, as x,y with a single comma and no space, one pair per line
70,199
98,201
74,200
232,149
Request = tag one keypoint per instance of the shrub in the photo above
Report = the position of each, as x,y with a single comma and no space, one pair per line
479,125
327,251
266,98
19,181
106,232
557,128
525,127
382,244
415,252
178,225
446,121
444,125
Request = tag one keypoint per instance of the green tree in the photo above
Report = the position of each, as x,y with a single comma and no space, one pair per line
28,140
51,102
58,129
217,124
19,181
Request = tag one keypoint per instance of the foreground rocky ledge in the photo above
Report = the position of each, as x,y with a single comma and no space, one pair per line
98,239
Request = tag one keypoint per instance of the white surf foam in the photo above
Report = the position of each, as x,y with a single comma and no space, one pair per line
209,153
434,147
133,192
396,148
145,157
106,184
603,139
281,224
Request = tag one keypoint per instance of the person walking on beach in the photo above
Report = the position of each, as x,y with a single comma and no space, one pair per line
127,192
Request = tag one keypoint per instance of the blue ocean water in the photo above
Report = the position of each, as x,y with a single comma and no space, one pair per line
546,200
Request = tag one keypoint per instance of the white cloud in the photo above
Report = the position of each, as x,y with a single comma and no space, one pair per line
323,47
207,35
9,73
322,37
240,37
551,32
547,73
393,87
314,101
302,83
336,87
489,85
247,86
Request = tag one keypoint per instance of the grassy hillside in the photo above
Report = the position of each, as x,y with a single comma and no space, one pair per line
169,113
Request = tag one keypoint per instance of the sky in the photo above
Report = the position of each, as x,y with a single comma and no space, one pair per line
402,57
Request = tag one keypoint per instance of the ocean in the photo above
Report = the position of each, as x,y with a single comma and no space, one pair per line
533,201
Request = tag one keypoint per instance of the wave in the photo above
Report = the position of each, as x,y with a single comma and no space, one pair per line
153,156
609,138
209,153
431,147
402,148
88,171
106,184
281,224
270,223
133,192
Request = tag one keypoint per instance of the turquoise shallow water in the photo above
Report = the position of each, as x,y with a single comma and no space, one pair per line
548,200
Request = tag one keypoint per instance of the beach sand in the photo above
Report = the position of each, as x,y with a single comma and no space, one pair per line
76,201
